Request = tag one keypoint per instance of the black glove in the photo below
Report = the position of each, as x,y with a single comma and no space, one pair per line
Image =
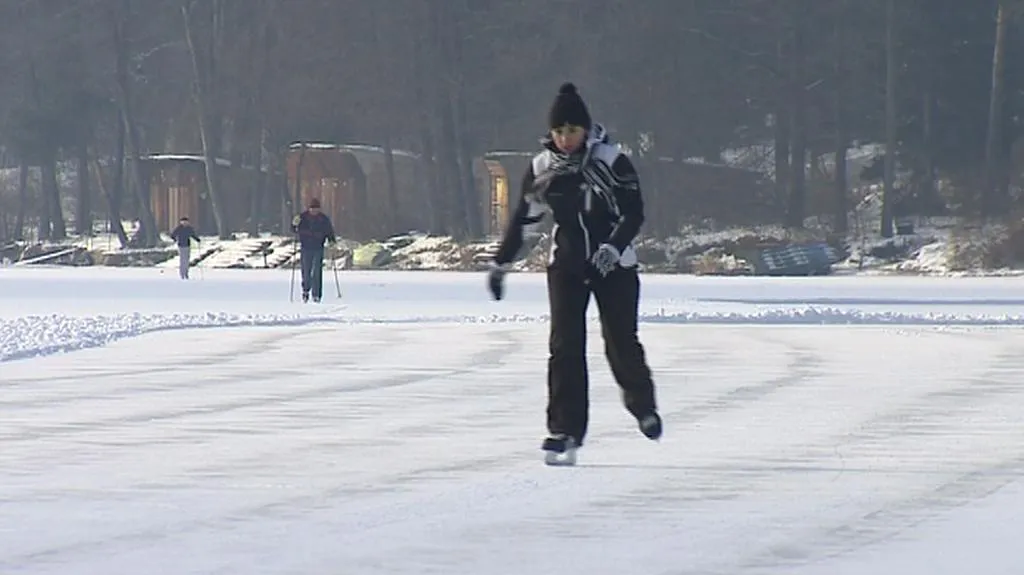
496,281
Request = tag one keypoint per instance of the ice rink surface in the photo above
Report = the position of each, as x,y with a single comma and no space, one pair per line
832,425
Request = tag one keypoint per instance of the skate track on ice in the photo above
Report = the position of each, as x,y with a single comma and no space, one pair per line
372,443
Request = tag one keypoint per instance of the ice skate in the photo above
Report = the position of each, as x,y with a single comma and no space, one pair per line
650,426
560,450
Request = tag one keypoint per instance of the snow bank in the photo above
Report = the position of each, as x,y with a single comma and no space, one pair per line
803,316
33,336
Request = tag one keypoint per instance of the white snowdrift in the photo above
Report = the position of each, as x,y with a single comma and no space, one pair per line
807,316
33,336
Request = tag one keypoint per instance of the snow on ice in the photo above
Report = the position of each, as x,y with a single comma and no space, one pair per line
31,336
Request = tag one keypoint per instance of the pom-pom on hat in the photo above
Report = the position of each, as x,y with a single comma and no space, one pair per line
568,108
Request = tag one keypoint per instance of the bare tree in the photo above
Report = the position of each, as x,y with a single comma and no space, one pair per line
204,69
890,119
995,181
148,234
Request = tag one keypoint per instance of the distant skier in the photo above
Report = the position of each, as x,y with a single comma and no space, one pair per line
593,193
313,228
183,235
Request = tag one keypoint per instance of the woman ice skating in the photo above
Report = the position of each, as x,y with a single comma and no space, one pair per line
593,193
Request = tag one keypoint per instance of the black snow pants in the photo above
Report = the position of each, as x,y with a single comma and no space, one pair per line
312,263
618,298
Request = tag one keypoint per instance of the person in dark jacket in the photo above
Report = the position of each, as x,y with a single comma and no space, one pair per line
592,191
313,228
183,235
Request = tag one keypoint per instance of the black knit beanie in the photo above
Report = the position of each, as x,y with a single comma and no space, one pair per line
568,108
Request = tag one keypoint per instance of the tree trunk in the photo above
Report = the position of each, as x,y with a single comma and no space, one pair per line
449,168
841,182
207,132
928,192
438,208
296,200
277,163
447,151
51,224
841,224
51,190
117,186
113,212
469,198
798,154
259,183
995,187
782,135
890,119
149,233
45,228
19,225
83,219
393,220
265,47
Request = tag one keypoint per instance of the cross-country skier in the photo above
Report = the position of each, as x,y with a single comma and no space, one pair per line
592,191
183,235
313,228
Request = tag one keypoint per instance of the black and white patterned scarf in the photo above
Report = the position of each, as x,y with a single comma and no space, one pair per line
599,176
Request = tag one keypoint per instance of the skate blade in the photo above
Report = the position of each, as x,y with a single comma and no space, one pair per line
555,459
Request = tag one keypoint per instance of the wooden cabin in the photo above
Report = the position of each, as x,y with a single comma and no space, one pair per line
499,176
351,182
334,177
498,204
495,200
412,209
177,187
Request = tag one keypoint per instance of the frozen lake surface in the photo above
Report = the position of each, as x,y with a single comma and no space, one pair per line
833,426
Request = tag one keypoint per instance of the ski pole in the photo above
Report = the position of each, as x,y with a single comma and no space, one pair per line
334,264
291,288
199,264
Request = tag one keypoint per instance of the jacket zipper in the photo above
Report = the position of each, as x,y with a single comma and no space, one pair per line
586,235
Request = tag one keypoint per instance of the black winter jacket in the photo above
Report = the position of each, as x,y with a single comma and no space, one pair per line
313,230
182,234
599,202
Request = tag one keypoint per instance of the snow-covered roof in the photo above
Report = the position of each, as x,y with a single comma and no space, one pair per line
184,158
351,148
508,153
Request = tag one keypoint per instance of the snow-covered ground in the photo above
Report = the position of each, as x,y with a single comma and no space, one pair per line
837,425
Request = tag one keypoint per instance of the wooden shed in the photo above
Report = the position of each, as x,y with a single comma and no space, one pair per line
352,183
177,187
333,176
503,187
497,199
412,209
